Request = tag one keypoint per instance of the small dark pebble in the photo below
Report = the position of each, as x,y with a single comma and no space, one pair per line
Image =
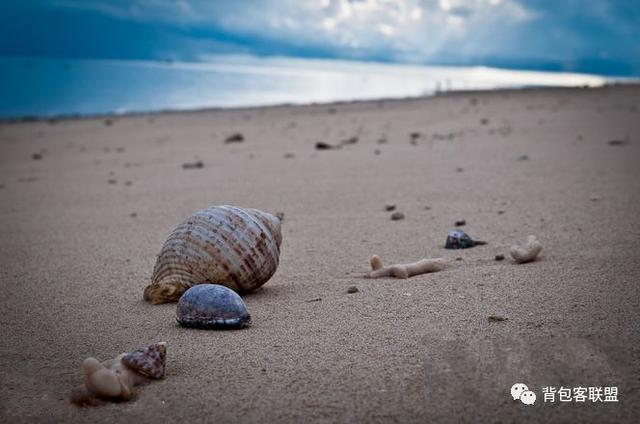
289,155
321,145
133,214
389,207
619,142
128,183
460,222
396,216
234,138
382,140
415,135
193,165
352,289
459,169
484,121
500,212
36,156
120,149
112,181
376,152
280,216
352,140
523,157
427,208
317,299
496,318
458,258
499,257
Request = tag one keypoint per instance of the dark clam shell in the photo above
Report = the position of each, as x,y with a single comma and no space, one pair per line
458,239
212,306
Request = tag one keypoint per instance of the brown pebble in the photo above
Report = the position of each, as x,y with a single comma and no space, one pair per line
321,145
496,318
390,207
460,222
234,138
499,257
500,212
36,156
352,289
396,216
458,258
619,142
193,165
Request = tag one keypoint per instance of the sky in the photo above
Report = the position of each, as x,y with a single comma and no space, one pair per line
591,36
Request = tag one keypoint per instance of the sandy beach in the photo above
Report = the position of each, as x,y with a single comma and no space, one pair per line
86,204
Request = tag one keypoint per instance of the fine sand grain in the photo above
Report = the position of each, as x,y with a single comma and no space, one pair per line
85,205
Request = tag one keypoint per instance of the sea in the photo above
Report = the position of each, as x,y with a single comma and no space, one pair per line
32,87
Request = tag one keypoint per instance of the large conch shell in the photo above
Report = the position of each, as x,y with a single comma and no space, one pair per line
235,247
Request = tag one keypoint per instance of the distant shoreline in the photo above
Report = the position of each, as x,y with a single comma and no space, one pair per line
452,93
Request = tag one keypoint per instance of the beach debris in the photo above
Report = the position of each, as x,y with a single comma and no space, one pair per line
112,181
522,158
460,222
595,198
527,253
389,207
459,169
133,214
315,299
212,306
108,122
234,138
499,257
352,289
235,247
321,145
376,151
459,258
500,212
115,379
618,142
193,165
289,155
404,270
382,140
396,216
350,140
149,361
36,156
458,239
496,318
484,121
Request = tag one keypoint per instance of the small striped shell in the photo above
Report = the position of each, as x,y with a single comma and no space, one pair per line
235,247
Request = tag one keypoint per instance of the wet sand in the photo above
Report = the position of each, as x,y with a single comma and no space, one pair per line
86,204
